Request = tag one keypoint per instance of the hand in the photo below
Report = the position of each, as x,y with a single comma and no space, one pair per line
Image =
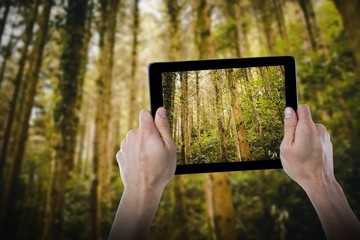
147,157
147,161
306,150
307,157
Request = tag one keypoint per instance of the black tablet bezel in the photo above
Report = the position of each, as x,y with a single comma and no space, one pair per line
156,100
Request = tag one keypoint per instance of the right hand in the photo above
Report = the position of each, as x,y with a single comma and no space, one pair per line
306,150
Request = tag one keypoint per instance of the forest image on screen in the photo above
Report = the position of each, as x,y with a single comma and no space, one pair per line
226,115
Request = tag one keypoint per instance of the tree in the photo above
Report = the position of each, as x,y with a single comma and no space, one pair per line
134,53
99,186
220,210
27,96
240,134
66,114
7,6
28,33
349,11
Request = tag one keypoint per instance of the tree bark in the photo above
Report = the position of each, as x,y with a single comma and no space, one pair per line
184,116
135,33
222,204
215,75
17,84
7,5
349,11
66,115
28,92
103,118
241,136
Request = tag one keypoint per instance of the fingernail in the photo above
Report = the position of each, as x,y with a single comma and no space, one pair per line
288,112
162,112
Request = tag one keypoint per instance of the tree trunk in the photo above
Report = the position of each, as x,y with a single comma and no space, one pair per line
184,116
241,136
280,20
349,11
266,17
103,118
23,113
7,5
219,114
315,36
17,84
135,32
168,84
66,115
220,208
198,136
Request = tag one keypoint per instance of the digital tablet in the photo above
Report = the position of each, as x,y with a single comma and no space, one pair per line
225,114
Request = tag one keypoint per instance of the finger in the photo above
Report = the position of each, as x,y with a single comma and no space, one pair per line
304,113
130,134
290,123
146,121
122,145
163,126
120,158
322,132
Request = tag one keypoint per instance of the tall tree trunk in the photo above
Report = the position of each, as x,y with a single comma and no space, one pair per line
103,118
219,113
66,115
168,84
135,32
232,9
7,5
266,17
315,35
220,209
241,136
24,111
349,11
198,136
184,116
17,84
280,20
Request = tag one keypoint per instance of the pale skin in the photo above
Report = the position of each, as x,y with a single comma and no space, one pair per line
147,161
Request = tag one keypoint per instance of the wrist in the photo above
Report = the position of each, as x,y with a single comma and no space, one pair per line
142,194
326,187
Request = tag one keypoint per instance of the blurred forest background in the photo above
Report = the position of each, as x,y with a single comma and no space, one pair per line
72,82
225,115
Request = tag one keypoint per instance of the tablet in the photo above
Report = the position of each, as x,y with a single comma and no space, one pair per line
225,114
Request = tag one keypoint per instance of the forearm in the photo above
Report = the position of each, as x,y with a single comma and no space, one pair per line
135,214
334,211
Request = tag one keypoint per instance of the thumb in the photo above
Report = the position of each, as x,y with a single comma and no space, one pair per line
163,125
290,123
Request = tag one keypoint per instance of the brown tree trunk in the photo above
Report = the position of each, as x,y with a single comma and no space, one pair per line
219,114
218,190
266,17
7,5
184,116
66,115
241,136
133,98
315,36
17,83
198,136
24,111
103,118
280,20
349,11
168,84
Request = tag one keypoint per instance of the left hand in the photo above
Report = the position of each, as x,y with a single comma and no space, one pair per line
147,157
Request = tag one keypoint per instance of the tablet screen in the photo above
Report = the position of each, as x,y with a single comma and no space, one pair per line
225,115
